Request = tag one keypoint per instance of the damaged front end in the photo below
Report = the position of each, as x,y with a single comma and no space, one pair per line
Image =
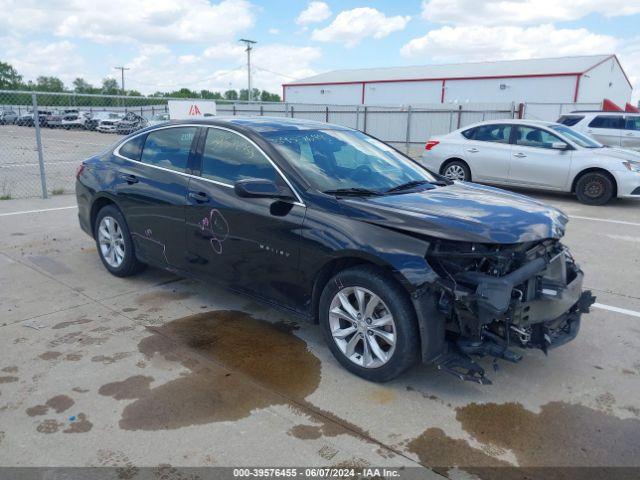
494,297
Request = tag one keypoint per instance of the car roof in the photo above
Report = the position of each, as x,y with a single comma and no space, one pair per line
515,121
265,124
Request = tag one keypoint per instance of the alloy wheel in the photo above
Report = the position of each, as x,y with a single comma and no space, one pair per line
362,327
454,172
111,240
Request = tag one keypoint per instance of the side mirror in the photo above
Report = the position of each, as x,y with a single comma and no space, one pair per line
260,188
559,146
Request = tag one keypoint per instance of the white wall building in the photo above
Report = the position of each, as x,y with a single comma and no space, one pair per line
581,79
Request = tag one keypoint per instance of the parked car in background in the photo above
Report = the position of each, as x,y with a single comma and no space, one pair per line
8,117
130,123
535,154
396,264
28,118
75,120
615,129
109,125
54,120
158,119
97,117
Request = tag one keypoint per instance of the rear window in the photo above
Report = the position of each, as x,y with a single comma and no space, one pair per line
570,120
169,147
607,121
133,148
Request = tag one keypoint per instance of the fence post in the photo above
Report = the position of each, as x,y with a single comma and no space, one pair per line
357,117
364,126
408,134
234,109
451,120
521,110
326,114
459,116
262,110
291,111
36,124
513,110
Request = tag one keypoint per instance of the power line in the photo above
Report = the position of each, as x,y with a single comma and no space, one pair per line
275,73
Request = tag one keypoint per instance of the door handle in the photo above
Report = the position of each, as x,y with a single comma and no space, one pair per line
519,155
130,179
630,134
199,197
472,150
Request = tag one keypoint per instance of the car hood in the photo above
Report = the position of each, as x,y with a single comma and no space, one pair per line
619,153
463,212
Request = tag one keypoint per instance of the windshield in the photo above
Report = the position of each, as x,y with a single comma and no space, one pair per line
576,137
345,159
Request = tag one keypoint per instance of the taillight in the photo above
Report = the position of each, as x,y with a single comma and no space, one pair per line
79,170
430,144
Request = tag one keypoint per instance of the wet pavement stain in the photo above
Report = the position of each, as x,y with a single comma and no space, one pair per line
79,338
79,425
59,404
305,432
561,434
49,426
107,360
8,379
12,369
50,355
80,321
267,353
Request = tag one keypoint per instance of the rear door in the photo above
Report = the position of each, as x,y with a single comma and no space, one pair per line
630,137
152,187
534,163
250,244
606,129
488,152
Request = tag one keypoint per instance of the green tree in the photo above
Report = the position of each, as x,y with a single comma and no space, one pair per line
269,97
134,93
82,86
210,95
49,84
231,95
110,86
10,79
255,94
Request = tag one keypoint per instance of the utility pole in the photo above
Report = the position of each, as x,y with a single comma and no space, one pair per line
122,69
248,43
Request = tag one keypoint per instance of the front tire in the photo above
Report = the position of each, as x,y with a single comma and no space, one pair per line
114,243
369,324
594,188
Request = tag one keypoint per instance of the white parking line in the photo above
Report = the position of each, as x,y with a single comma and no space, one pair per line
621,222
624,311
37,211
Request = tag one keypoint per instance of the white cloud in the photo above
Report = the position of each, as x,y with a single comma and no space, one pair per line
352,26
274,31
224,51
479,43
314,13
144,21
510,12
33,59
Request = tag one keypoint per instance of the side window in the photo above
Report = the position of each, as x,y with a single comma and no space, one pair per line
169,147
535,137
133,148
632,123
468,134
607,121
228,157
493,133
570,120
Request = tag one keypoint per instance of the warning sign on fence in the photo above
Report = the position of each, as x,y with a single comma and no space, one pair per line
186,109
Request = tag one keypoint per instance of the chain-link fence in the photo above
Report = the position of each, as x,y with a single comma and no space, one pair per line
39,152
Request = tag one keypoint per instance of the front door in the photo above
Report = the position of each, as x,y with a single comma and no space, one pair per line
631,134
535,163
152,192
250,244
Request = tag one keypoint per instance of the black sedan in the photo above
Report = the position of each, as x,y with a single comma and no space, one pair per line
396,264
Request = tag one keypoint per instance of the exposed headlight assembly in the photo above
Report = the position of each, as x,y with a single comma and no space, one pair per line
632,166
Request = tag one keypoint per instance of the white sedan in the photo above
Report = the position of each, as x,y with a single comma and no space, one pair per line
535,154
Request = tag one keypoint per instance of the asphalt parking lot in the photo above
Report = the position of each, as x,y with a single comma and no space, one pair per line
158,370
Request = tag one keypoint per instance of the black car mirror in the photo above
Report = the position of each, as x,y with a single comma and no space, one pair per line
261,188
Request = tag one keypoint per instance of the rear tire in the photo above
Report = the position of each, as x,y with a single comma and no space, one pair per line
594,188
382,341
114,243
457,170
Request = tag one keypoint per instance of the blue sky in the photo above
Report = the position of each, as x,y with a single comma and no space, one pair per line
193,43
